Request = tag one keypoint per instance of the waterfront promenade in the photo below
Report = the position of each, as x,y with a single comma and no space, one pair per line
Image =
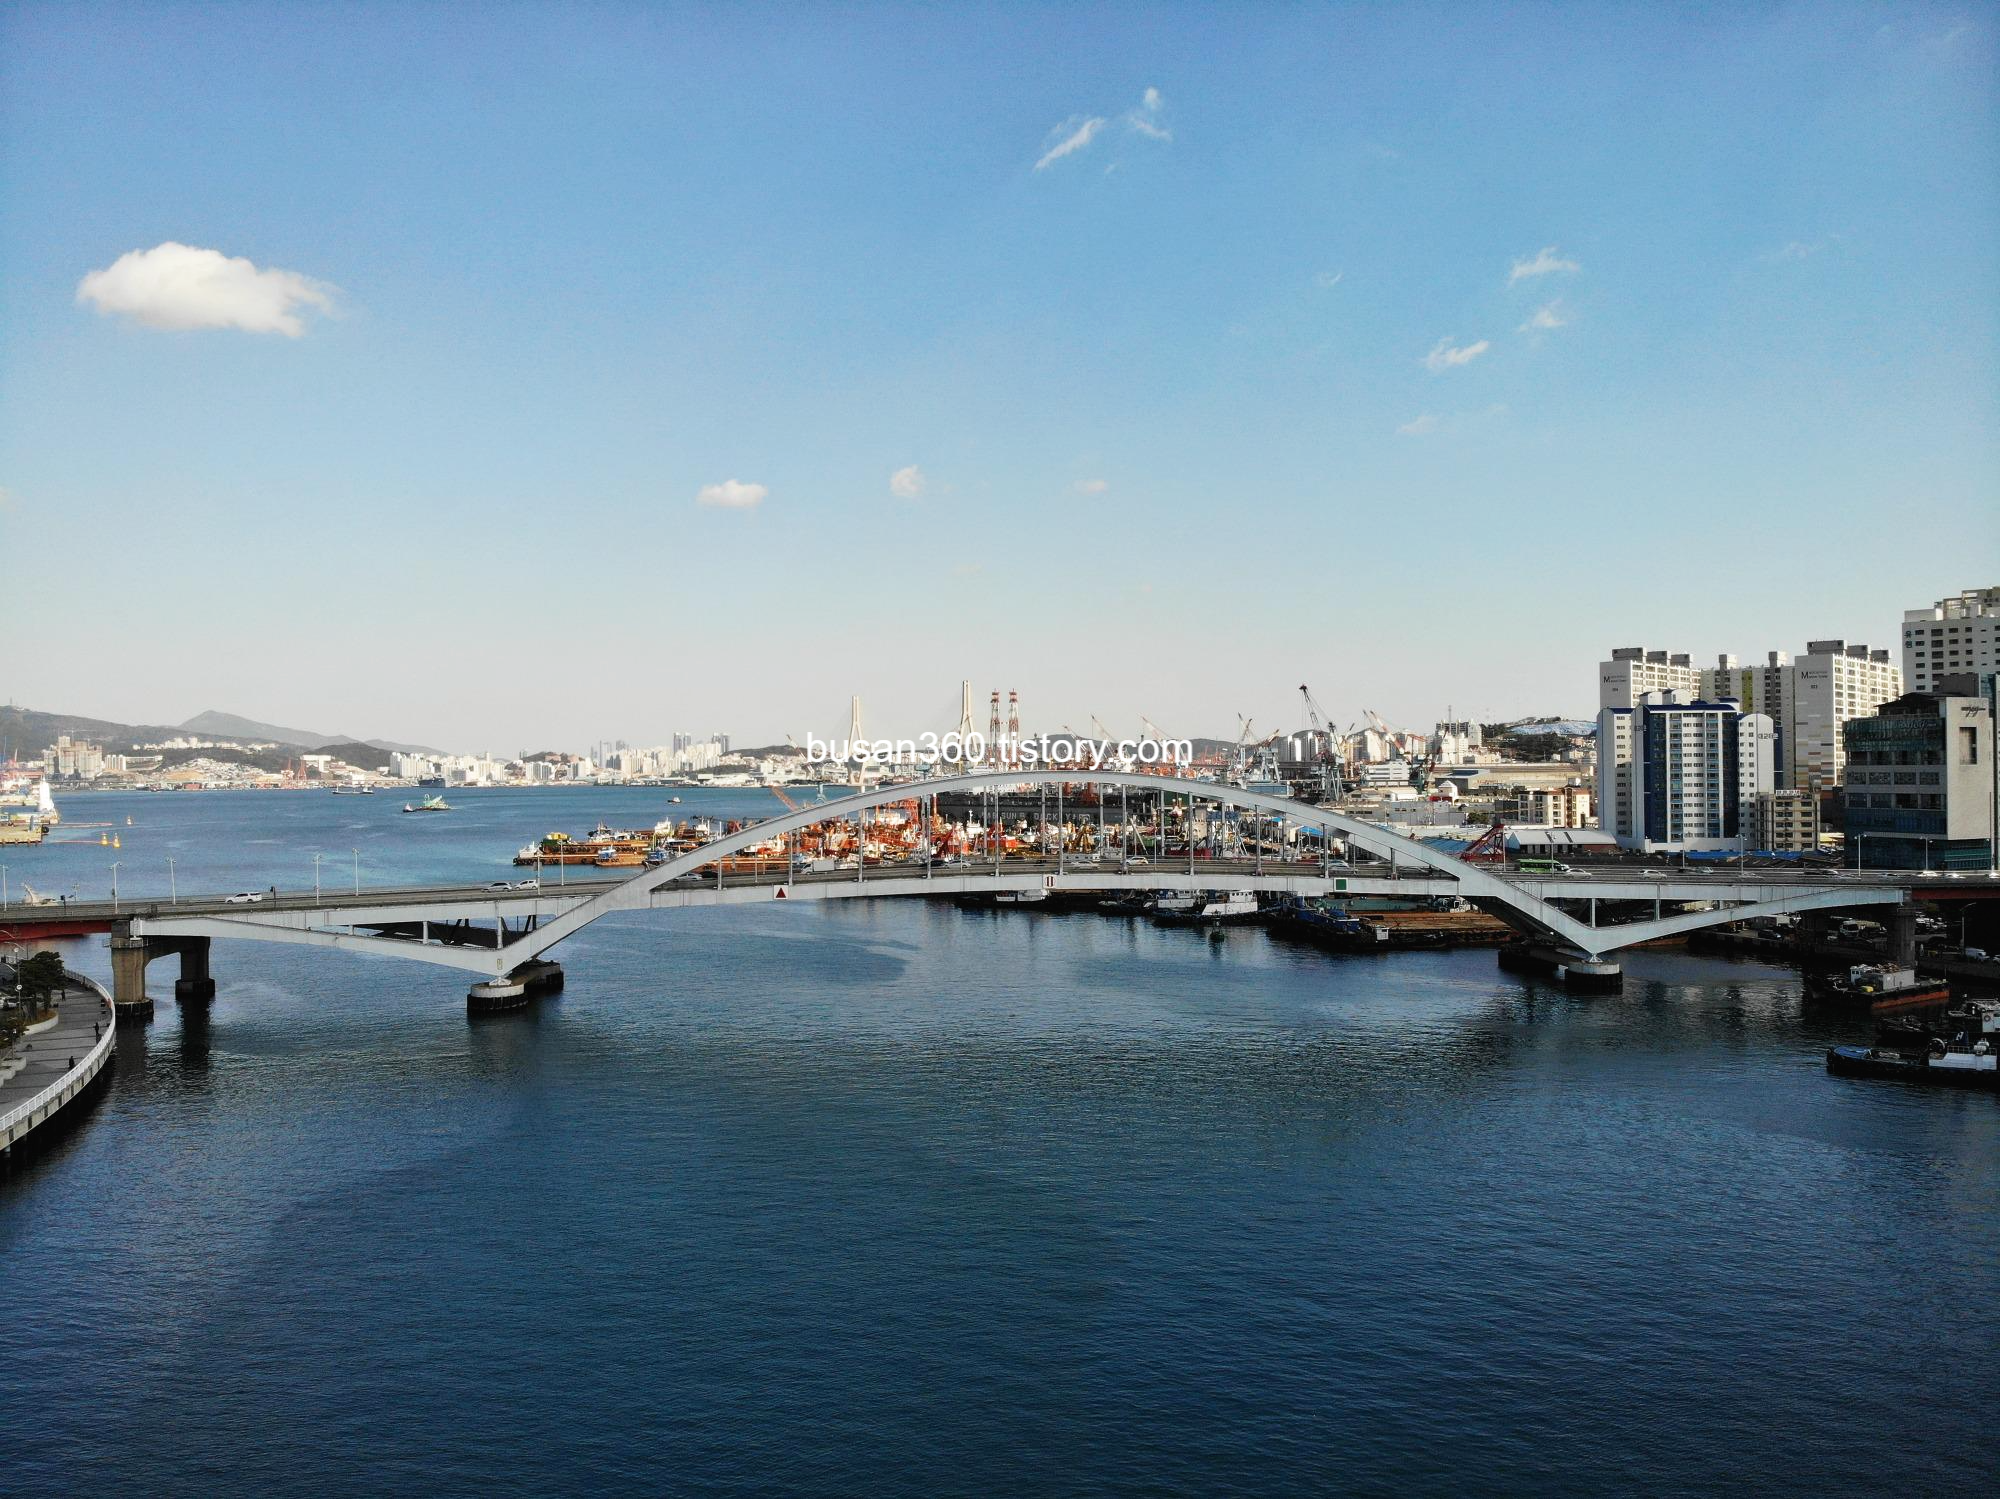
45,1070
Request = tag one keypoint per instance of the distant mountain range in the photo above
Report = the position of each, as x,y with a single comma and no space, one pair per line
217,725
26,732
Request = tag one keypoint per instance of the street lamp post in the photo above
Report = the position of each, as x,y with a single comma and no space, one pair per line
173,894
3,887
357,869
316,859
114,886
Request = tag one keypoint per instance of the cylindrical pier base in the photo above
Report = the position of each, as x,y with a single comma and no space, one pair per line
496,995
194,991
529,981
541,976
1573,969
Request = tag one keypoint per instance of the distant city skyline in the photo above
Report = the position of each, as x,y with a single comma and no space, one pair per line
539,376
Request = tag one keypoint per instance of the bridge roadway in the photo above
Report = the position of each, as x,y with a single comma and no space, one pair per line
452,903
442,924
472,926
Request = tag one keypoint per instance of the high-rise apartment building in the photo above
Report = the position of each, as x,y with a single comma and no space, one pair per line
1807,698
1674,773
1833,683
1633,671
1954,635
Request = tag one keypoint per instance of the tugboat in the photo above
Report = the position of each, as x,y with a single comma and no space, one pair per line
1886,988
429,804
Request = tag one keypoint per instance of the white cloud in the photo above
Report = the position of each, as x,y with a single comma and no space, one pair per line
1548,315
1081,133
178,286
907,483
731,494
1418,426
1092,486
1544,263
1445,357
1146,118
1329,279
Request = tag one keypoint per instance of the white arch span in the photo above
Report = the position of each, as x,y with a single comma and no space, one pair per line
1504,897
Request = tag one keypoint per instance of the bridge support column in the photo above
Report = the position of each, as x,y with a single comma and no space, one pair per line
1902,924
194,986
129,957
512,992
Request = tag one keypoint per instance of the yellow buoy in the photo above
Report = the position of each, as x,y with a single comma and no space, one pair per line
114,841
103,840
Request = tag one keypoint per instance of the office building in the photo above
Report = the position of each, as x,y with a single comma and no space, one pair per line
1920,781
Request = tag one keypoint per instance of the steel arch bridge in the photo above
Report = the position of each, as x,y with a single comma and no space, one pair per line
435,925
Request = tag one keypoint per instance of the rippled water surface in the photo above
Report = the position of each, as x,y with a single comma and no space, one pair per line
890,1198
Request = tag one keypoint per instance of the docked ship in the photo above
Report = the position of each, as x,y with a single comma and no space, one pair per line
1886,988
1216,908
22,828
26,817
603,846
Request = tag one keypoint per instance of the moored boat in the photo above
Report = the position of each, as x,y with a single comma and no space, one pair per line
1886,988
1941,1065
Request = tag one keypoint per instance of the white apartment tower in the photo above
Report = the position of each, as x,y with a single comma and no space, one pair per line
1675,774
1833,682
1954,635
1808,698
1633,671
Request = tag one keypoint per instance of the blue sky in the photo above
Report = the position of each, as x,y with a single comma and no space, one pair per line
1194,408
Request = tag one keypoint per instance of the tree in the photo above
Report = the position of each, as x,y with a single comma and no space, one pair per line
41,976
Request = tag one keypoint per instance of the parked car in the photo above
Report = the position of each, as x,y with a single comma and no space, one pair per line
244,898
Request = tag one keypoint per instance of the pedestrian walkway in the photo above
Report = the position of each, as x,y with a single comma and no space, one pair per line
82,1016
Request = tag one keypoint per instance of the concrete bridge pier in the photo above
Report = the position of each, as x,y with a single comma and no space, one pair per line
1902,925
194,986
529,981
131,955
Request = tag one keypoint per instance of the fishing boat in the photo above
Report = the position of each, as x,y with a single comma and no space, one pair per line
428,804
